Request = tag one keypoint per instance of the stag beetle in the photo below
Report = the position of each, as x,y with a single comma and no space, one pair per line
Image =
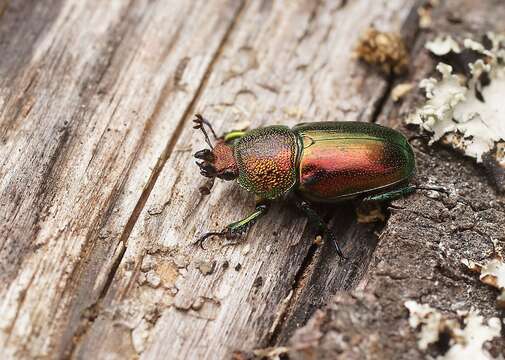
319,162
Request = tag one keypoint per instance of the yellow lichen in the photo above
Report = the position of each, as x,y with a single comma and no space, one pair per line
383,49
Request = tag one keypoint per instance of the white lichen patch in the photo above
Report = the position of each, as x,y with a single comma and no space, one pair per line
466,112
492,273
428,319
443,45
466,341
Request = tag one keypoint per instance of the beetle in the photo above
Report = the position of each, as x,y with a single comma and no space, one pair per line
320,162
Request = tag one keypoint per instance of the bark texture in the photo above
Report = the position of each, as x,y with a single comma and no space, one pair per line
426,237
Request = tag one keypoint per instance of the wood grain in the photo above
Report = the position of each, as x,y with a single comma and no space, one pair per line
99,200
91,95
295,67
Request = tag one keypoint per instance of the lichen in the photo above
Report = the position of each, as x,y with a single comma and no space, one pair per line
492,273
400,91
429,321
465,341
383,49
466,111
443,45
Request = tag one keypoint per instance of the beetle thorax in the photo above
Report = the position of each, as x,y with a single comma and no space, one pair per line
266,159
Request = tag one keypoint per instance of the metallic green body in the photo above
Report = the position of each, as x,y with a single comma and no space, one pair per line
324,161
344,160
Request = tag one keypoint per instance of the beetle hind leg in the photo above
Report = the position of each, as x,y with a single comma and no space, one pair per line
391,195
318,222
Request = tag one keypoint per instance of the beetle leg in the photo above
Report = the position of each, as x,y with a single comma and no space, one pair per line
204,237
391,195
233,135
238,227
241,226
317,221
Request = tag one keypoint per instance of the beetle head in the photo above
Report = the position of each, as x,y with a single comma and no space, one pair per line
218,161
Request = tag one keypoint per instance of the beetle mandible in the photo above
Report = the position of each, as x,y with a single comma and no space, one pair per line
322,162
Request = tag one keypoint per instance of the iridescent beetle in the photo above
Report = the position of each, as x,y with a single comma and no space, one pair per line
323,162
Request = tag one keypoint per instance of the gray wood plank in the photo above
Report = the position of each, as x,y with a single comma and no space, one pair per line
91,94
283,63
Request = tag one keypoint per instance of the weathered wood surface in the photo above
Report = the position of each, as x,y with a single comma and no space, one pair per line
93,94
99,198
298,62
421,247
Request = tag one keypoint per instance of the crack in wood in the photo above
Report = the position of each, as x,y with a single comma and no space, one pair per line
381,101
409,32
296,289
281,322
119,33
168,150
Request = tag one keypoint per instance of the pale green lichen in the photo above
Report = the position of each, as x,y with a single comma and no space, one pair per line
442,45
428,320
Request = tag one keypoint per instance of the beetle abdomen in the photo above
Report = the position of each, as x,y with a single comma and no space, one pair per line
266,159
341,160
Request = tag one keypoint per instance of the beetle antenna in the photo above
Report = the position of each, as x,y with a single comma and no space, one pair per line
200,121
207,122
199,125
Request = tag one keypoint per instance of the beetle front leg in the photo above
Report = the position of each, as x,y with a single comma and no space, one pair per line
238,227
317,221
233,135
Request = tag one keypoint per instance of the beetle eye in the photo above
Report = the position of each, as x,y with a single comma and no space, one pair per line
228,175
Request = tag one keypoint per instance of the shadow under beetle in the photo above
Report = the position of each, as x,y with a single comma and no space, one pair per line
323,162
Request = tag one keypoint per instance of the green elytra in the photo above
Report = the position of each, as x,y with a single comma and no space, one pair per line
312,162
